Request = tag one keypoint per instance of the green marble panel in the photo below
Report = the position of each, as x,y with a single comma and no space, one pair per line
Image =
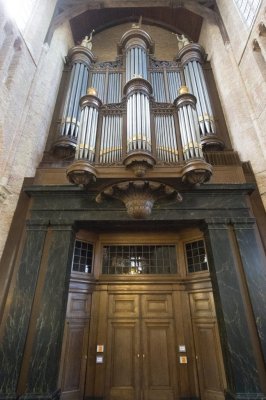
44,363
17,321
240,365
254,264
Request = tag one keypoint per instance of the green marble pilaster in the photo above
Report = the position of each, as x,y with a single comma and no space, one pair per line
239,359
254,265
48,335
15,327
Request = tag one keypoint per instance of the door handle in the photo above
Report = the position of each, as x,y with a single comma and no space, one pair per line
138,355
143,355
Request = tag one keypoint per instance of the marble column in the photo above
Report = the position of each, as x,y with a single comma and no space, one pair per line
18,310
236,337
254,266
50,311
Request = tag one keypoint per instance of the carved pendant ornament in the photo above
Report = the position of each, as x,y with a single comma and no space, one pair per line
138,196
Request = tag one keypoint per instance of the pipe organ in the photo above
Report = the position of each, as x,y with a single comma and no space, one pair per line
138,120
80,59
138,115
82,170
192,57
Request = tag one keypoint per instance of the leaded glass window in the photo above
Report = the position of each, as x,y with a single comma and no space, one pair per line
139,259
196,256
83,256
248,10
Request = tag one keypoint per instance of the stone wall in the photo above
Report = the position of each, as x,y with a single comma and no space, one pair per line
241,82
30,73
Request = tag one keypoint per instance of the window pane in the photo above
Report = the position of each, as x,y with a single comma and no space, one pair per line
137,259
248,10
82,258
196,256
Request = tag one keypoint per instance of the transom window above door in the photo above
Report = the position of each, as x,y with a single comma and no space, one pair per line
139,259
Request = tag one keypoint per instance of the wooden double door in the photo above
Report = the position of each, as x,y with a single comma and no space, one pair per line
122,342
141,359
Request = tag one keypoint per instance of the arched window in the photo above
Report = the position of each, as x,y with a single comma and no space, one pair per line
248,10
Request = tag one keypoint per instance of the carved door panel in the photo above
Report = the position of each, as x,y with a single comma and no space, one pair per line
209,361
141,357
123,365
210,366
75,347
159,360
73,374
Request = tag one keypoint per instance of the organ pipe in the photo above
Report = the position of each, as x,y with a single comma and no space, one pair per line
165,138
111,139
139,151
192,57
80,60
196,170
136,44
82,171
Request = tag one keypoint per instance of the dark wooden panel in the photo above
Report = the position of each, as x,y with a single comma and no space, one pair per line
122,360
209,360
159,360
78,305
157,306
75,358
202,305
124,305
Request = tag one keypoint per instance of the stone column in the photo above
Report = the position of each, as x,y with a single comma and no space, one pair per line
43,348
18,310
254,266
231,307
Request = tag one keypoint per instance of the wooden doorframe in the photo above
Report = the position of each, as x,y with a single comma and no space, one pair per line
182,287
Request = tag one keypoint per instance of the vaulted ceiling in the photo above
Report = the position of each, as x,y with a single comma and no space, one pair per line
180,16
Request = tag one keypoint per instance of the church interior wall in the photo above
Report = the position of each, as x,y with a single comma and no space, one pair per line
241,90
31,71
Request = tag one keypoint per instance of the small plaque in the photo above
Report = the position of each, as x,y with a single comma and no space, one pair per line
182,348
99,359
183,359
100,348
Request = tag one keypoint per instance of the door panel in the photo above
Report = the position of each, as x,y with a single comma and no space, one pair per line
122,360
209,361
159,361
123,306
73,375
156,306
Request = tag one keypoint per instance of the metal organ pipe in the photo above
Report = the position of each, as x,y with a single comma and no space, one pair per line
174,81
192,57
136,44
82,170
196,170
136,58
80,60
111,139
89,119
